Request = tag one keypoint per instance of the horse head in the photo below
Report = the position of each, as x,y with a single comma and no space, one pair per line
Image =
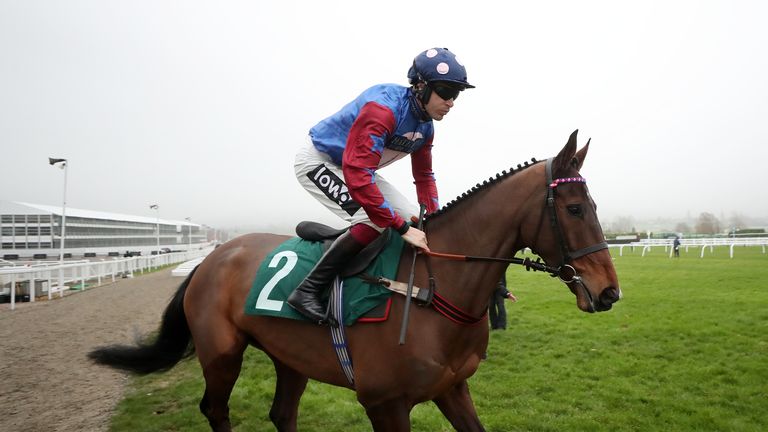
570,236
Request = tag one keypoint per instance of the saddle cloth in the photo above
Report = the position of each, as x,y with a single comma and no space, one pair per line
289,263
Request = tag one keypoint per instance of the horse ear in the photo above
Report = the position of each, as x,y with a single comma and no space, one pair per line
578,160
565,156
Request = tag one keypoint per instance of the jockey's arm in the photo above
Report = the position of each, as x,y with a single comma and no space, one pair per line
360,161
424,178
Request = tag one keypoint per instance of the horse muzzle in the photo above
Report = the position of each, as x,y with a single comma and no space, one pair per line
607,298
588,302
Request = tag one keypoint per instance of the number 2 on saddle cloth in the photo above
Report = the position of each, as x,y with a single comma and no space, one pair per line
287,265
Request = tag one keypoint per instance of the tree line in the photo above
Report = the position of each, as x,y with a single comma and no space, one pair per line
706,223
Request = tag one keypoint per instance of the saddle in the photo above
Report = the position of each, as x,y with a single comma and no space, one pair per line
315,231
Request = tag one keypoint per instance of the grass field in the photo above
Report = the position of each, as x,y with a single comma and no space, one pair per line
685,350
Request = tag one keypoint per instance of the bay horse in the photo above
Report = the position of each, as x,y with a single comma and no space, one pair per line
544,206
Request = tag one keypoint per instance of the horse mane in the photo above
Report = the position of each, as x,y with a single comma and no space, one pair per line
478,187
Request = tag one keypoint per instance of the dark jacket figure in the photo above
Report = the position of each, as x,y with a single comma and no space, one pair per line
676,246
497,310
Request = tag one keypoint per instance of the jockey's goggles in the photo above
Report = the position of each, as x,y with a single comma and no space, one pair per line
445,92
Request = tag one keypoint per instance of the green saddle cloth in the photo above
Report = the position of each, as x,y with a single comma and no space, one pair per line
288,264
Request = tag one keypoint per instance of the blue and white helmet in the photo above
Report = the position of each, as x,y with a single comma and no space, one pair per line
438,64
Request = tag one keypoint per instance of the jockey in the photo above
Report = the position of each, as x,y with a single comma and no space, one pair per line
339,163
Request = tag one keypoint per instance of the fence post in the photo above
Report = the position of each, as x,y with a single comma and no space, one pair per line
13,291
61,279
50,286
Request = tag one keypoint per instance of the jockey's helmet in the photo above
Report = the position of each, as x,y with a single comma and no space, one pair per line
438,64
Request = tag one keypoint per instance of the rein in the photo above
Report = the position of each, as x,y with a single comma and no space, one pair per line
525,262
565,272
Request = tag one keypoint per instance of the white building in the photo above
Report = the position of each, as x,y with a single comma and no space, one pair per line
34,231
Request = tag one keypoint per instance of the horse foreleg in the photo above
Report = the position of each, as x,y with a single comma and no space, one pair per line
288,390
390,416
456,405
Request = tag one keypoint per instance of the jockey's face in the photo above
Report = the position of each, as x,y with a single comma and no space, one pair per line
437,107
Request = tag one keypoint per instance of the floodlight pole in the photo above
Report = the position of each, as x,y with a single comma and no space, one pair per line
157,212
189,239
64,165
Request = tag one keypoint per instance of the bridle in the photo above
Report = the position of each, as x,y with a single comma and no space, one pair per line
564,270
567,256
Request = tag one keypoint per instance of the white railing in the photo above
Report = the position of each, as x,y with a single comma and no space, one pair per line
185,268
52,278
704,243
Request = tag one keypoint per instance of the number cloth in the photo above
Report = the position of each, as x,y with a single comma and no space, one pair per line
288,264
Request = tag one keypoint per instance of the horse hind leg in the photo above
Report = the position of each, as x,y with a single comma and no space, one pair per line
221,361
288,391
457,406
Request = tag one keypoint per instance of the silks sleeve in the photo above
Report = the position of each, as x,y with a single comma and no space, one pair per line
362,154
424,178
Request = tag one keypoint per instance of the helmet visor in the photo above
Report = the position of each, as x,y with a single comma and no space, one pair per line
445,92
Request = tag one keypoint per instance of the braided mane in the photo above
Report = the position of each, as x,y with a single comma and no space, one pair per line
478,187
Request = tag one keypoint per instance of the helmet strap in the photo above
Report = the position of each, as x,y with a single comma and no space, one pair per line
417,101
425,94
422,90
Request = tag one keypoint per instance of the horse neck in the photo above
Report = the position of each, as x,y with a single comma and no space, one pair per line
486,223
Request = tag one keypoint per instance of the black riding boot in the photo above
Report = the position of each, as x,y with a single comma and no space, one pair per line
306,298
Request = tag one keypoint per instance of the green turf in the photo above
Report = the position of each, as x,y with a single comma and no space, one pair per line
685,350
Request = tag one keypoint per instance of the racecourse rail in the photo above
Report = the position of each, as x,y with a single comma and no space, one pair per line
703,243
55,277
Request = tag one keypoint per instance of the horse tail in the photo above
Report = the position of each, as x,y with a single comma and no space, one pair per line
172,344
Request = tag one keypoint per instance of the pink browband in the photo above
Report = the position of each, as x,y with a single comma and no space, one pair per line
567,180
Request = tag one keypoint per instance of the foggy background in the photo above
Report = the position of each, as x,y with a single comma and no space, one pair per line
200,106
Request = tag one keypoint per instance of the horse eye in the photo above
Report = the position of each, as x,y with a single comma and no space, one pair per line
574,210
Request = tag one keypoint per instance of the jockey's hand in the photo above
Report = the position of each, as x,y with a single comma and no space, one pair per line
416,237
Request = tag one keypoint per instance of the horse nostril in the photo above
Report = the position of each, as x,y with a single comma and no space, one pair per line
609,295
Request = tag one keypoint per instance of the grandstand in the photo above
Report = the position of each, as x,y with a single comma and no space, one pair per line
34,231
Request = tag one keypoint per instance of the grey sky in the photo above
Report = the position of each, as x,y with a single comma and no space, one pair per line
200,106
